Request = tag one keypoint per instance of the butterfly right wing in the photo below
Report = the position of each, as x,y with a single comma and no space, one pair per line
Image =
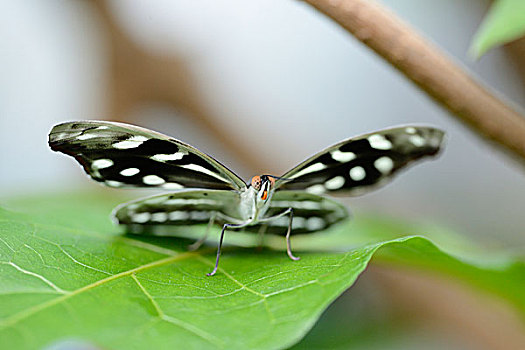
180,208
123,155
362,163
311,213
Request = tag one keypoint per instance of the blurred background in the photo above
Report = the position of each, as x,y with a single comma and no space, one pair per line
260,85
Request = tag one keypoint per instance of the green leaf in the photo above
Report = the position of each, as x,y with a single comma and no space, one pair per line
504,22
68,275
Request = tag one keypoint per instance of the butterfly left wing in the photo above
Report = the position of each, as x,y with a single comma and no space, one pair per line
180,208
122,155
362,163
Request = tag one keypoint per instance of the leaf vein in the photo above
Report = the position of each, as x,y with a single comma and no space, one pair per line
37,253
8,246
189,327
94,234
12,320
80,263
40,277
243,286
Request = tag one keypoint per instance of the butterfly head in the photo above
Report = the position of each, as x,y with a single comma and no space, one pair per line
264,185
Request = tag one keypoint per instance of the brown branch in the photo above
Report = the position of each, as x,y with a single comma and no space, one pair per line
430,69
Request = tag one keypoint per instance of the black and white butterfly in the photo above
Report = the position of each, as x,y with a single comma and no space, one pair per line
205,191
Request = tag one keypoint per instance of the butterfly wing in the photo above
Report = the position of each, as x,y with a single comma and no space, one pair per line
362,163
180,208
122,155
311,213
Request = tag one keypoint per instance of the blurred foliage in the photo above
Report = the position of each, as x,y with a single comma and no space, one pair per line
69,275
504,22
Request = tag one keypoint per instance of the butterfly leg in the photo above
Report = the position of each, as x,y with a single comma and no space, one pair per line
220,244
198,243
288,244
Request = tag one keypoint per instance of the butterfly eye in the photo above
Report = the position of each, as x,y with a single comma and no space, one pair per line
256,182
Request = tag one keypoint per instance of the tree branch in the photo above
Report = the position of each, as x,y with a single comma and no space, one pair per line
430,69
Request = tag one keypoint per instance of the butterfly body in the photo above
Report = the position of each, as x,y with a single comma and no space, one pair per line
251,207
205,191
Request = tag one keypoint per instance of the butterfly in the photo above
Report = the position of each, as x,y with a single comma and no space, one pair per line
202,190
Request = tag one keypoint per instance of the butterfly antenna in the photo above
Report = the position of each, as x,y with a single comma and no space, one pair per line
279,177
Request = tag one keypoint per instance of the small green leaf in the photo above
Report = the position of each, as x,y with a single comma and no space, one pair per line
504,22
68,275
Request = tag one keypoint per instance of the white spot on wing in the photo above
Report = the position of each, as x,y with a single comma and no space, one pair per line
282,221
335,183
203,170
112,183
417,140
199,215
132,142
153,180
379,142
410,130
342,157
88,136
316,189
141,217
172,186
296,204
101,164
384,164
357,173
310,169
178,215
159,217
129,172
183,201
298,222
167,157
315,223
65,135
